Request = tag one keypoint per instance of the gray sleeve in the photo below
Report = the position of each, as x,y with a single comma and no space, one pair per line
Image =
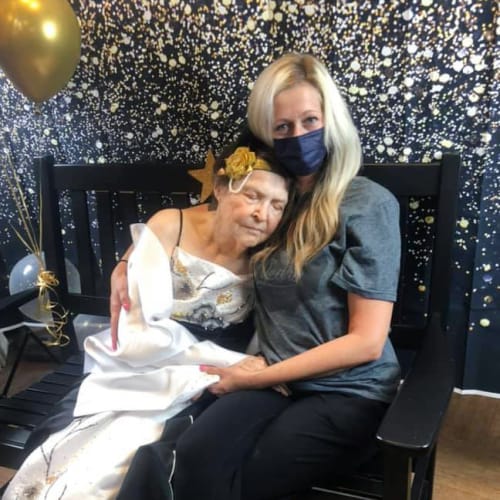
370,264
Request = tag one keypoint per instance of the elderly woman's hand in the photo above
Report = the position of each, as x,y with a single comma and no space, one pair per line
119,298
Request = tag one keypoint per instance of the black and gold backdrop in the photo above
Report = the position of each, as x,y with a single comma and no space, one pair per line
170,79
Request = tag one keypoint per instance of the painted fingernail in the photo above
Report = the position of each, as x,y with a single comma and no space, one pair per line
126,306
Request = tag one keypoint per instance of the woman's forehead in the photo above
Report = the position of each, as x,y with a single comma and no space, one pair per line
298,96
267,182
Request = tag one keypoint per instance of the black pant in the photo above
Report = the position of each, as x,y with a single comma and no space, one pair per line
257,445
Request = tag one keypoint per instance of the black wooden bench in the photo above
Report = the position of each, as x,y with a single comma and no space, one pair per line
95,203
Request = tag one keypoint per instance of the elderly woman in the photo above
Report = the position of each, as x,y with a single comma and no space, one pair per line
189,280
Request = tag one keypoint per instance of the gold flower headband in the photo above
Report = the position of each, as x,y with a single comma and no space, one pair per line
241,164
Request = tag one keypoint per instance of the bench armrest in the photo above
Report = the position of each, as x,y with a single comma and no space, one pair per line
414,418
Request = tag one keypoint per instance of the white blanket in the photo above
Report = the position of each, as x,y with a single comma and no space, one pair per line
129,393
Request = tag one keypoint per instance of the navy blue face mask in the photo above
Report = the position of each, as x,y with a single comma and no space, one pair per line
302,155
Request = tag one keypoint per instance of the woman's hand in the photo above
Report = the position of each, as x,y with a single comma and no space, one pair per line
252,363
238,376
232,378
119,298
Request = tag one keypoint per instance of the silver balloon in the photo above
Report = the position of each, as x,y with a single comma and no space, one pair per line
24,275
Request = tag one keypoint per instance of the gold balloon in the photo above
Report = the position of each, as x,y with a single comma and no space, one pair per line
39,45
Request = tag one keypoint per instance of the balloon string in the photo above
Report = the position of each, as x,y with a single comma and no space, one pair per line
29,240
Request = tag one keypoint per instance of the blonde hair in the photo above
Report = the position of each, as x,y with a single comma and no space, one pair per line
317,219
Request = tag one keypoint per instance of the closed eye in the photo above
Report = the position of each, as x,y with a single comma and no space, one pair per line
251,195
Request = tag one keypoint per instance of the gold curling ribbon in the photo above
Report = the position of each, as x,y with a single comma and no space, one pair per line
46,283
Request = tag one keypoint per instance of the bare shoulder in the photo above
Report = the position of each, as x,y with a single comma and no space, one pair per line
196,214
166,225
197,225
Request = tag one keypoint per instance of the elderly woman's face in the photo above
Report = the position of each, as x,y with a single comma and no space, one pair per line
251,215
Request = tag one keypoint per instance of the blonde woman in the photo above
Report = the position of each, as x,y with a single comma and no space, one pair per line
325,286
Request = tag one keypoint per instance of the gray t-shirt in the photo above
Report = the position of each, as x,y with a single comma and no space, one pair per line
363,258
